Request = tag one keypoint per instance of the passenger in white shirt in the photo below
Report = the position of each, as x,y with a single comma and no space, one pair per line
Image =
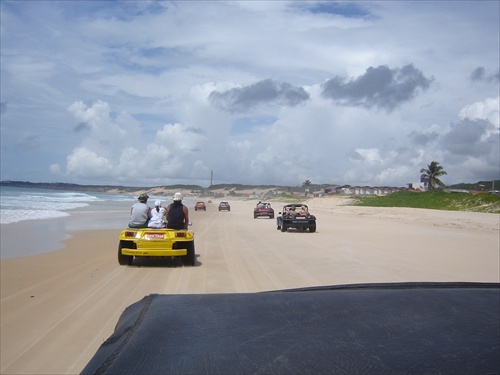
157,216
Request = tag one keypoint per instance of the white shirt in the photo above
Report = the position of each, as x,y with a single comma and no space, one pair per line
157,217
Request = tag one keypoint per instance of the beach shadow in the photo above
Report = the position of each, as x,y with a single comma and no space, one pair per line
165,262
295,230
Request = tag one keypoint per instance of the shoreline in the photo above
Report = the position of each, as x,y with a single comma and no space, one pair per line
47,235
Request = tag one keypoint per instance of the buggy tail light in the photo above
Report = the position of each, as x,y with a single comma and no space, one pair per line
129,234
180,234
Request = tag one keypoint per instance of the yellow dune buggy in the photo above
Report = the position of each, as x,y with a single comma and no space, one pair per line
148,242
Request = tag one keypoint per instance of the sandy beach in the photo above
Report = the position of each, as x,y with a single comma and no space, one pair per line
58,307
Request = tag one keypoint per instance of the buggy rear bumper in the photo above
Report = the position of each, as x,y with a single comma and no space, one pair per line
154,252
299,223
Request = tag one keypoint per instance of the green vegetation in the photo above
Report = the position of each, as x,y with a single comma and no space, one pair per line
480,185
434,199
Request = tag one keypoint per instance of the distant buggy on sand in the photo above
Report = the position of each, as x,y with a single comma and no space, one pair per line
291,217
148,242
224,206
263,209
200,206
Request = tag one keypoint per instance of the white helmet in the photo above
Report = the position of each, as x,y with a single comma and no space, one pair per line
177,197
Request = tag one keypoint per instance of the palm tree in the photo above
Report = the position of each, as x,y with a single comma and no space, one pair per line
431,174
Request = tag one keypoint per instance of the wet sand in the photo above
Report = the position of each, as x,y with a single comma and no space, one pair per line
58,307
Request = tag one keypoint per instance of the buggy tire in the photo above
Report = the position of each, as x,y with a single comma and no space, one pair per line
190,258
283,227
124,260
312,228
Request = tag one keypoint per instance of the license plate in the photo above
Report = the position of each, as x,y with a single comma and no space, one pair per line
155,236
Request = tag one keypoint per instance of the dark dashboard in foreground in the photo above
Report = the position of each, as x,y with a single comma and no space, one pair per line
404,328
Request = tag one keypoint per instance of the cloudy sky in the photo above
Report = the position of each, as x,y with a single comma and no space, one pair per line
259,92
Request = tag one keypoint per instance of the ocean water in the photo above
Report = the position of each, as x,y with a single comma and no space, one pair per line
20,204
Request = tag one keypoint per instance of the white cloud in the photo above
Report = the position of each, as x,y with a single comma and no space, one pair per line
488,109
87,164
370,156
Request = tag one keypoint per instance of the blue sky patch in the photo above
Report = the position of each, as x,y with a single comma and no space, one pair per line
345,9
244,125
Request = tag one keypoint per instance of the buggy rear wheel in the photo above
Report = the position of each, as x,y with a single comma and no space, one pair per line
124,260
190,258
